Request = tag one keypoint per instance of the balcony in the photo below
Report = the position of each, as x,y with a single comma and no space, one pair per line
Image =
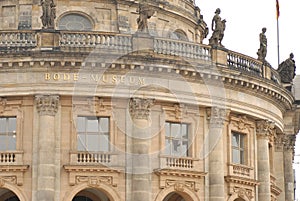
11,158
179,163
241,171
93,158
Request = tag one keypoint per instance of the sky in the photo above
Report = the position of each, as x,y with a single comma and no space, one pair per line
244,22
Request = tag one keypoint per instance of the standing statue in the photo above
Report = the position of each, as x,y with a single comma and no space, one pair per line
218,27
262,51
49,14
145,13
287,69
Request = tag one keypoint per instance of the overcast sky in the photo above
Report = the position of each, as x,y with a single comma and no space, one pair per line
244,21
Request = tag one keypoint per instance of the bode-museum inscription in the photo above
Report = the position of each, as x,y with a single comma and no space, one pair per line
95,78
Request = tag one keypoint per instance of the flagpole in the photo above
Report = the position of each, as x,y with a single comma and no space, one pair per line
277,17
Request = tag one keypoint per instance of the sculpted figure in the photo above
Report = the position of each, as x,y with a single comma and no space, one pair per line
262,51
49,13
145,13
218,28
287,69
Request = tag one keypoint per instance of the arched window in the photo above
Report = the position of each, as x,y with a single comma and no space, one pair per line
75,22
179,35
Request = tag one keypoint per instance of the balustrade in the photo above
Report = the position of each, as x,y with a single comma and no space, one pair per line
182,48
95,40
11,158
177,162
17,39
244,63
241,171
83,158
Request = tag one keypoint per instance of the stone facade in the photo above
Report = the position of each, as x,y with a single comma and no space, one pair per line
94,110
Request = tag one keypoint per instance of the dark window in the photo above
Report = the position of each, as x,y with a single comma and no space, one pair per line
75,22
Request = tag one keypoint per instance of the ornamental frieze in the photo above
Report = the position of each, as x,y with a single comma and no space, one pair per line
47,104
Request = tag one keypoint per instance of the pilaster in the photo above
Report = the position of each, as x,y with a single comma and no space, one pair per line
279,165
264,132
47,107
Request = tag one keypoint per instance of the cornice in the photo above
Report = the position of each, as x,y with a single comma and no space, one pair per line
179,173
240,180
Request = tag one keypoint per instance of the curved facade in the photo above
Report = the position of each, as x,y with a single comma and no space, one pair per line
92,109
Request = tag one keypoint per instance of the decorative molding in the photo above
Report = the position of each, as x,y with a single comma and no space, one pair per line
279,142
47,104
265,129
289,142
243,193
2,104
94,181
217,116
241,181
241,123
139,108
8,179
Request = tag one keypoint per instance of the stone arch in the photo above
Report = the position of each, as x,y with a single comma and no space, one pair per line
15,190
81,20
109,192
179,34
186,193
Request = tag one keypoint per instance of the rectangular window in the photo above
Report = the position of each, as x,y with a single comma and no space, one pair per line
93,134
238,148
176,139
8,127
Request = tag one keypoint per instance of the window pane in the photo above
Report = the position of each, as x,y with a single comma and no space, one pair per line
176,148
235,156
11,142
92,125
184,131
242,159
168,147
104,143
242,141
80,124
175,130
184,150
2,125
235,140
167,128
93,143
104,125
2,142
12,124
81,142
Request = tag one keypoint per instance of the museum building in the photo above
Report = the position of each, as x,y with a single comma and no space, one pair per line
120,100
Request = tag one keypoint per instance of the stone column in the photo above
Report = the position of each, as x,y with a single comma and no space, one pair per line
47,107
217,117
263,132
288,167
141,138
279,165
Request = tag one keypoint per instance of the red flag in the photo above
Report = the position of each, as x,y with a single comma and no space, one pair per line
277,9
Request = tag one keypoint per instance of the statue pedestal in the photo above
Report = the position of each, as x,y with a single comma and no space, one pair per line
48,39
142,41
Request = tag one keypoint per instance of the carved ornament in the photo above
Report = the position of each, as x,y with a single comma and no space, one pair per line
265,129
140,108
47,104
217,116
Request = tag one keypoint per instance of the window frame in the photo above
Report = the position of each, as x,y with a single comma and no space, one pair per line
244,149
7,133
98,133
81,14
188,152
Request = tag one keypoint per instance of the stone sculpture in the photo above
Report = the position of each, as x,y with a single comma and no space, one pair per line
49,14
287,69
145,13
262,51
218,28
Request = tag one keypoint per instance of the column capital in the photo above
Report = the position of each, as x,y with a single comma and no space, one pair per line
265,129
217,116
47,104
140,108
289,142
279,142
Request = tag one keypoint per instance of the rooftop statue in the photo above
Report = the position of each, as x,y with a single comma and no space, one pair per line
218,28
145,13
287,69
49,14
262,51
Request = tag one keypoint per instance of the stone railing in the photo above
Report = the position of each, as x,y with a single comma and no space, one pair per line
244,63
17,40
92,158
177,162
11,158
95,40
182,49
240,171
